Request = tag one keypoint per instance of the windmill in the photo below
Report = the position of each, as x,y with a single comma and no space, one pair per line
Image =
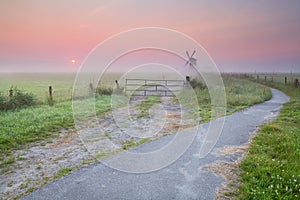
191,63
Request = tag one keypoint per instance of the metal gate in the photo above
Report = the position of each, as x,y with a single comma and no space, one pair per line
148,87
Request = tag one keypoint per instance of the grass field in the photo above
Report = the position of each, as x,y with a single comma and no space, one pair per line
23,126
240,93
39,122
38,84
271,168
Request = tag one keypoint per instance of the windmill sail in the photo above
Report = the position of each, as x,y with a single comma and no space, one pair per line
190,64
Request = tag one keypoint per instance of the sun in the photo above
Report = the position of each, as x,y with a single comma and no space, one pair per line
73,61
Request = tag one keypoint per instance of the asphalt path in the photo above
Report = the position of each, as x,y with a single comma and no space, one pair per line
183,179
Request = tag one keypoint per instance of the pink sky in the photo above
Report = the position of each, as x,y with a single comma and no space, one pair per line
239,35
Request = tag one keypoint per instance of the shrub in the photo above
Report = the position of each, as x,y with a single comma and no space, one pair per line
16,99
198,84
2,102
103,90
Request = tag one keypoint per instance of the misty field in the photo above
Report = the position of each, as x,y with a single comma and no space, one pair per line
38,84
41,123
33,123
62,83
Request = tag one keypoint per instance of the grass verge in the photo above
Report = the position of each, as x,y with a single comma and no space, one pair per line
240,94
271,169
23,126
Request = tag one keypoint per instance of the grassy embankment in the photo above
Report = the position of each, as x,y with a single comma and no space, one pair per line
26,125
271,168
240,94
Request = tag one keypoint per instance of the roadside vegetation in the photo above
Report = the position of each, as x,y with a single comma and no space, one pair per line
21,126
240,94
146,104
39,121
271,169
16,99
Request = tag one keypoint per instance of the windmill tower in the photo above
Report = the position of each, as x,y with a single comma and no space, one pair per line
190,64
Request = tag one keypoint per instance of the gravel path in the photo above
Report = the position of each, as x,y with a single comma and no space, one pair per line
184,179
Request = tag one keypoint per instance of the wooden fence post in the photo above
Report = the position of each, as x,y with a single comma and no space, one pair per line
296,83
187,78
50,93
285,80
91,87
117,84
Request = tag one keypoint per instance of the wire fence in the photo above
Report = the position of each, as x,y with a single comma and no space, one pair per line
60,95
67,94
287,78
65,91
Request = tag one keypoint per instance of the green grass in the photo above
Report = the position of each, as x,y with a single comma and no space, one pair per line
41,122
63,171
240,94
8,161
23,126
32,124
146,104
271,168
130,143
38,84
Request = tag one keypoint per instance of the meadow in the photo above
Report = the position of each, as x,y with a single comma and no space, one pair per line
26,125
38,84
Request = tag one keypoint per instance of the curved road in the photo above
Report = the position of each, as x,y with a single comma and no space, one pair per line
184,179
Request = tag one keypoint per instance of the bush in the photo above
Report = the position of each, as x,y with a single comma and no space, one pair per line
16,99
2,102
197,84
103,90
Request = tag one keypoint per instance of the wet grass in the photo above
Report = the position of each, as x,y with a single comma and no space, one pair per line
40,123
23,126
240,94
130,143
63,171
271,168
38,84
